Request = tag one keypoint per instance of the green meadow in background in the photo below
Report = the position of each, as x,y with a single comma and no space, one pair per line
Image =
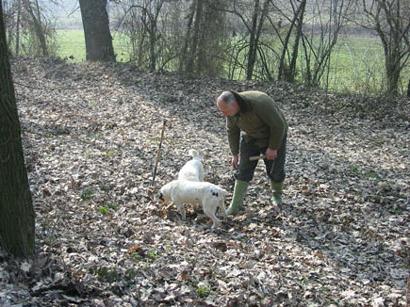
357,62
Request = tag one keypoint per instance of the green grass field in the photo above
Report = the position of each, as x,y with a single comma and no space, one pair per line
71,45
357,62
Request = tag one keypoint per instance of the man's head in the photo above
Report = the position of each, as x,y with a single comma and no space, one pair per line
227,104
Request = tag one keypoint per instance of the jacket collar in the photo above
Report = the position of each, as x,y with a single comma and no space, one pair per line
244,104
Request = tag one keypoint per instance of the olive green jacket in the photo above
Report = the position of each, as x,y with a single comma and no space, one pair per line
259,119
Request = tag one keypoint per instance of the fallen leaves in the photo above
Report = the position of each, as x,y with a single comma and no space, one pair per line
91,134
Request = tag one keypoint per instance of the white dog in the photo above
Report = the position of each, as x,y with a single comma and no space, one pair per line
193,170
209,195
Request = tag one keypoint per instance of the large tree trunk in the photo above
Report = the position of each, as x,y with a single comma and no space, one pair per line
98,40
16,208
183,61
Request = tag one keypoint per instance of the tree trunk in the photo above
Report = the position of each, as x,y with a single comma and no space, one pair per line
286,72
252,43
152,43
393,76
295,52
98,40
16,208
184,51
18,27
190,68
390,24
153,35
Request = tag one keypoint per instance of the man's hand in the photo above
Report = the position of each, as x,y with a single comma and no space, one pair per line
235,161
271,154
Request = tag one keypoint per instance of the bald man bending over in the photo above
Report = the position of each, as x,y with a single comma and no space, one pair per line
255,126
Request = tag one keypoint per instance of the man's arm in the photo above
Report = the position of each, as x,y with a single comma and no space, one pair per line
233,135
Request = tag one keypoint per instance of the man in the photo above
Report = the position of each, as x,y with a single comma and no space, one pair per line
255,126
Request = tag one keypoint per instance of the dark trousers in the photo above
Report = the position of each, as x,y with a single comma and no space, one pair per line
275,169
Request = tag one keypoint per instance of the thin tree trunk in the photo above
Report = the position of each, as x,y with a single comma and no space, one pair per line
154,35
152,42
18,27
16,208
295,52
252,42
283,71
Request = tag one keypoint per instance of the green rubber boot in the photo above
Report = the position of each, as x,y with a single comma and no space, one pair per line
277,188
238,196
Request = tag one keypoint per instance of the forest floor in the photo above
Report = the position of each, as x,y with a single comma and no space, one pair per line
91,134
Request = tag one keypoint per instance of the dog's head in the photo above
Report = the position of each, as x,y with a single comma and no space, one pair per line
164,194
161,197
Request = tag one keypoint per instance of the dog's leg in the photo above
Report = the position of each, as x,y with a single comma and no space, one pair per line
223,208
181,210
209,210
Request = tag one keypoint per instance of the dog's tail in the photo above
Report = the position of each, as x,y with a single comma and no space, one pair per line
194,154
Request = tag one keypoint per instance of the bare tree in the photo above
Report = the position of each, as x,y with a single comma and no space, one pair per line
318,47
204,37
141,20
391,20
288,55
37,25
98,40
253,25
16,208
154,34
29,28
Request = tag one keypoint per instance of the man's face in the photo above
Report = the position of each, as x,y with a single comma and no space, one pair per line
229,109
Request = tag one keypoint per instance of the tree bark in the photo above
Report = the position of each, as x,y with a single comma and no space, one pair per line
16,208
252,42
183,62
98,40
190,68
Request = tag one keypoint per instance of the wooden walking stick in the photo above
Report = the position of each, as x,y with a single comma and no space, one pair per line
158,153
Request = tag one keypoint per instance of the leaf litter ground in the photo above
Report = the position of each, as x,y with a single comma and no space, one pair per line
91,134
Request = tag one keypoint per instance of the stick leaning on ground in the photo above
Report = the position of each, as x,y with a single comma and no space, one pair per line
154,173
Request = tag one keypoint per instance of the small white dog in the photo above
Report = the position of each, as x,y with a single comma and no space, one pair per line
193,170
209,195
